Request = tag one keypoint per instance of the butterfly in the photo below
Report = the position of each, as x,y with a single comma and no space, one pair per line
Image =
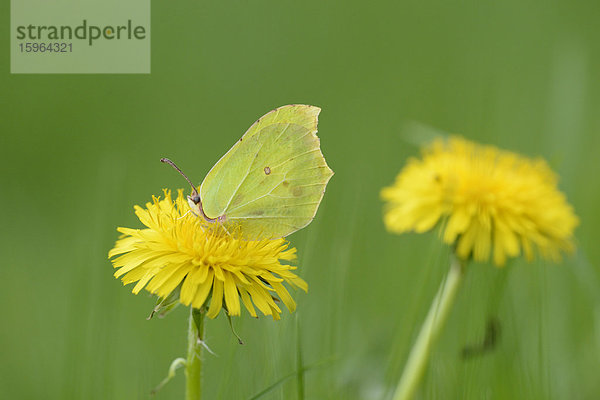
271,182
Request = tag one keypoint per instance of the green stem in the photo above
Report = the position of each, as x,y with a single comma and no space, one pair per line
193,365
434,322
299,362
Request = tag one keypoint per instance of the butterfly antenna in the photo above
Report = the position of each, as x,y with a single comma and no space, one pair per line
172,164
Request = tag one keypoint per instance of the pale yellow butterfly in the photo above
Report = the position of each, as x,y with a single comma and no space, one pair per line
271,182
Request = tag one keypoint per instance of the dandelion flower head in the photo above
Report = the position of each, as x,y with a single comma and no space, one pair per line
487,202
178,251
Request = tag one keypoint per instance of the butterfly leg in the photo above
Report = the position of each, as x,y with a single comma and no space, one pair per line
226,231
188,211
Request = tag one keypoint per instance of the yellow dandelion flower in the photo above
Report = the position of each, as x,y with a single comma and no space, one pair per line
486,201
178,251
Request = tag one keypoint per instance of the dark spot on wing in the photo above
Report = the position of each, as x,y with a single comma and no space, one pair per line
285,183
297,191
267,170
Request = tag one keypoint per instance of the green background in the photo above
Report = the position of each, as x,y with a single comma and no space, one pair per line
78,151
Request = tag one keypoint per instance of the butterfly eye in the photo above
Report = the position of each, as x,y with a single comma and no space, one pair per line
195,199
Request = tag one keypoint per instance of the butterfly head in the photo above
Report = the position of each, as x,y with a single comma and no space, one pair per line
194,200
195,203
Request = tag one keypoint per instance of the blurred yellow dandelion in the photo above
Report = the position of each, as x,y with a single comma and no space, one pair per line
177,251
486,201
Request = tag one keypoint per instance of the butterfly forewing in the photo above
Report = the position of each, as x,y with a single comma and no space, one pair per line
271,182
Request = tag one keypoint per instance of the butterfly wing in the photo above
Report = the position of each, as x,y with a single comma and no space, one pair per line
270,183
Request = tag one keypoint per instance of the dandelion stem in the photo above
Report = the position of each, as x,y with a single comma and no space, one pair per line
193,365
434,322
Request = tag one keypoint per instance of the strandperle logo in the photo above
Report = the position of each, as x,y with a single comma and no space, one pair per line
85,31
80,37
